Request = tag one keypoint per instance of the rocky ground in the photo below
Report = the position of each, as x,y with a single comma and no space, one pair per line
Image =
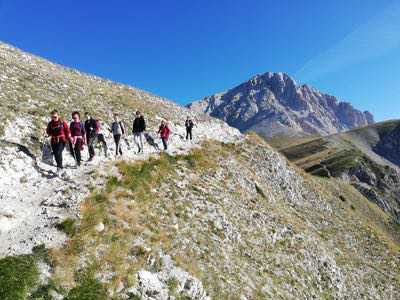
230,221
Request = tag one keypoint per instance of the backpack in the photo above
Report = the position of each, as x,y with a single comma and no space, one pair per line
47,154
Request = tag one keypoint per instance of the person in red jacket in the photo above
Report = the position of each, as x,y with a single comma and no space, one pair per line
59,133
164,132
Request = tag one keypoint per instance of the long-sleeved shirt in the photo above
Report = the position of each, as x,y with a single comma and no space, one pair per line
58,131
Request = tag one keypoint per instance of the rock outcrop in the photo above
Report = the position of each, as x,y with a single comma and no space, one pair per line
389,145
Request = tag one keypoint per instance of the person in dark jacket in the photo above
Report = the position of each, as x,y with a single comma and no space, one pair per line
164,133
92,129
77,129
189,126
59,133
139,126
118,130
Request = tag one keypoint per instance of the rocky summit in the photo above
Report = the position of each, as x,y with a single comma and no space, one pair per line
272,104
224,216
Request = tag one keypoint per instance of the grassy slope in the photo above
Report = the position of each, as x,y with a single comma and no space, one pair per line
144,201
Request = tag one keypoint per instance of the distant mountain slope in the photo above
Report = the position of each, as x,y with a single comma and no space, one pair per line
273,104
367,157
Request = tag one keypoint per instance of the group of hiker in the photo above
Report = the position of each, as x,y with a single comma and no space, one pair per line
91,132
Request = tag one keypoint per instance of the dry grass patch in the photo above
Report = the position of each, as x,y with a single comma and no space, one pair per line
128,206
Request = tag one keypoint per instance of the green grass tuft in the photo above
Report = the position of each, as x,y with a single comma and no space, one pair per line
18,276
43,292
88,288
67,226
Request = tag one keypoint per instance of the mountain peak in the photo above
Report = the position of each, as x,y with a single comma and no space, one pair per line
273,103
274,77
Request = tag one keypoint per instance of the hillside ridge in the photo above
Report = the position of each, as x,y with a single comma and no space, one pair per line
366,157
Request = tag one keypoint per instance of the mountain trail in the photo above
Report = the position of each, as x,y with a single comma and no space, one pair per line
34,199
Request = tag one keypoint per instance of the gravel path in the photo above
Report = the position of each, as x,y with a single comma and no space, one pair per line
33,198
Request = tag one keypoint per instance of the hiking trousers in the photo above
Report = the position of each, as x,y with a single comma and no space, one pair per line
76,151
58,149
165,143
117,140
93,140
188,133
138,139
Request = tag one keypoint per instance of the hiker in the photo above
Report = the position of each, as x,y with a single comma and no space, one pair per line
118,130
77,129
164,132
59,132
91,129
189,126
94,135
139,126
101,135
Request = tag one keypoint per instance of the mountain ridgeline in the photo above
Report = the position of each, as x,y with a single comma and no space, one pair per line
273,104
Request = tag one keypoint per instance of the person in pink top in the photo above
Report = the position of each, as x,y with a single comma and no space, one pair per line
77,129
164,133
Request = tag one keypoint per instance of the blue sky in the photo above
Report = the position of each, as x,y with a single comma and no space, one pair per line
184,50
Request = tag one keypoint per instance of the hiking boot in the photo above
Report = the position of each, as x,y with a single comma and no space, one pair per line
90,158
